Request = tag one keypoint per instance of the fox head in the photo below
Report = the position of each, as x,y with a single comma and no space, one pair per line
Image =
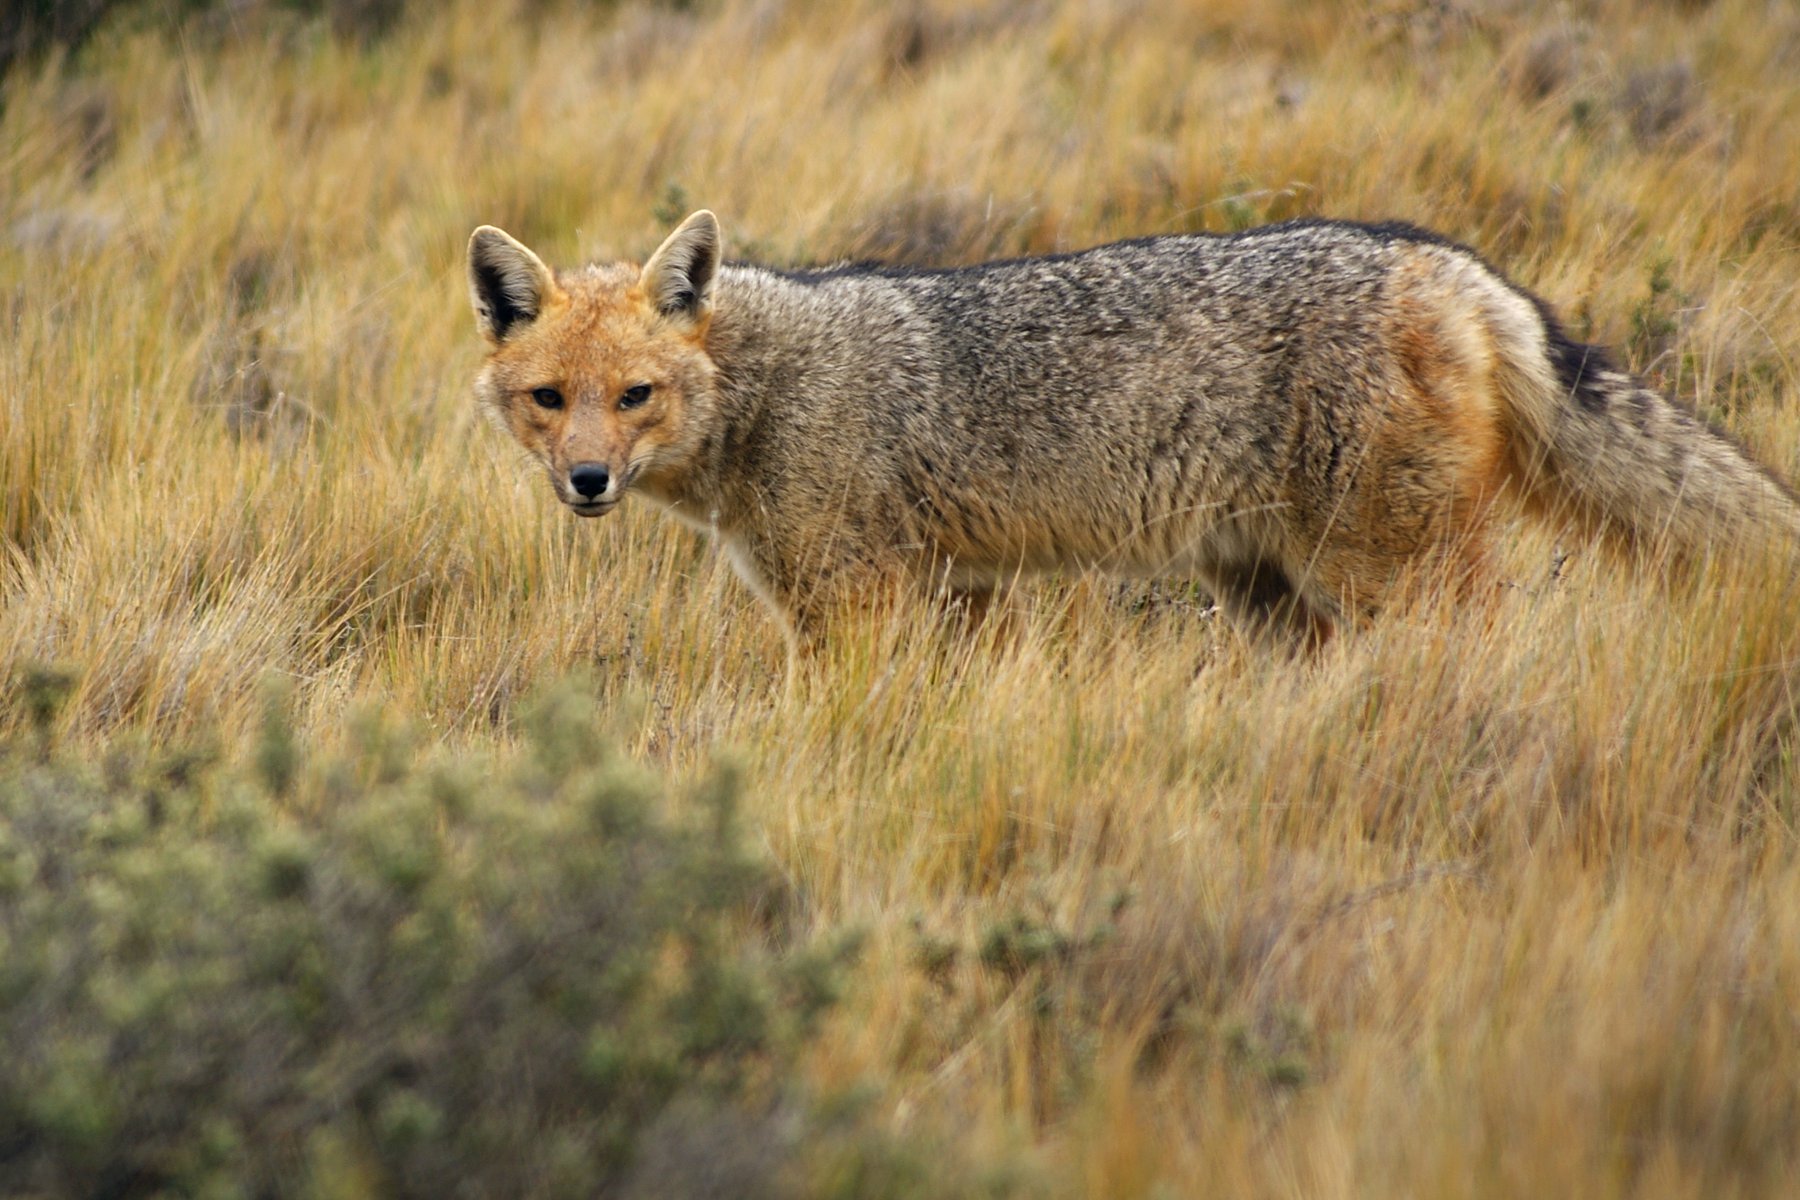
602,374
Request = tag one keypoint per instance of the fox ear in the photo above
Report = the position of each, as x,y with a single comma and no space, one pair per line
679,276
507,283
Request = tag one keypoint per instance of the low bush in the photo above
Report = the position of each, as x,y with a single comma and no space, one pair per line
370,973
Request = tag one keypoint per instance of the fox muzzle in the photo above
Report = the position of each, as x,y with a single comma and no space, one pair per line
592,489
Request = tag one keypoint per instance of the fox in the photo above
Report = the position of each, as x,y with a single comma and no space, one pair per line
1298,417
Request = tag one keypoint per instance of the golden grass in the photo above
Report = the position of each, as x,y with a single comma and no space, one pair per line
1463,908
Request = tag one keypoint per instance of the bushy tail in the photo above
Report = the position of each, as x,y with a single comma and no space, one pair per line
1596,441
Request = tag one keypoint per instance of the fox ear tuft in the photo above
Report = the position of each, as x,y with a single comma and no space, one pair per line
507,283
679,276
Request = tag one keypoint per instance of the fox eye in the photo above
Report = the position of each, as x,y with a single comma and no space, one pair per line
547,397
635,396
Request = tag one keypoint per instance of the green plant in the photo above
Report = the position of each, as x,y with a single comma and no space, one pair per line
429,975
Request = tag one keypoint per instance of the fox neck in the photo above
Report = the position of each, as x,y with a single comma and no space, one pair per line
760,341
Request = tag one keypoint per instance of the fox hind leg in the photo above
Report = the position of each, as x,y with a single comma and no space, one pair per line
1260,596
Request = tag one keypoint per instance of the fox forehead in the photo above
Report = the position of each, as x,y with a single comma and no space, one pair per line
597,324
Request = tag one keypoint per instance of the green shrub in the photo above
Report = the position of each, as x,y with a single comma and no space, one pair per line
372,974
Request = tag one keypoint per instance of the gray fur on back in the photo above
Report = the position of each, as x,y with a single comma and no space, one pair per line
1129,406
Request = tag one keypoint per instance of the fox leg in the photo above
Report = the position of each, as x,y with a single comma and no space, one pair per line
1448,561
834,598
799,611
1260,596
974,607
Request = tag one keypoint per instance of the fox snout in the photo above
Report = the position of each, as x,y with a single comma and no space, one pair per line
590,480
593,489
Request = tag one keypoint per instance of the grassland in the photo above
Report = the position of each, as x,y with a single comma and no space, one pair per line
1461,908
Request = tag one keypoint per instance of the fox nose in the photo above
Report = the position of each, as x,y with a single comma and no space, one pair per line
589,479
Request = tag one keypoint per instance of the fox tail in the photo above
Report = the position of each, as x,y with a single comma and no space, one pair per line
1594,440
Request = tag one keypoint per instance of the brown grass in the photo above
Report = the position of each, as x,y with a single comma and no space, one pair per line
1463,908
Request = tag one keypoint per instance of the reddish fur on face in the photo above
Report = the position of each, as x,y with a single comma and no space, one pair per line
596,337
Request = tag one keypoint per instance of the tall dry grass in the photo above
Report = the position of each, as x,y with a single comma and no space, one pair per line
1466,907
